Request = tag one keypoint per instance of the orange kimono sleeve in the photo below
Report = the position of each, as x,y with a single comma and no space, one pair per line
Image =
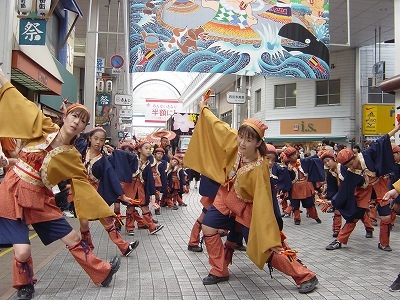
65,163
264,231
21,118
212,149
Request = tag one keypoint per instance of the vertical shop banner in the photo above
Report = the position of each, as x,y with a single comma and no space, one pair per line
103,108
288,38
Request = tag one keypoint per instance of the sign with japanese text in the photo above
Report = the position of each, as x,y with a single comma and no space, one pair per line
159,110
103,109
236,97
126,113
115,71
103,99
123,99
32,31
100,65
378,119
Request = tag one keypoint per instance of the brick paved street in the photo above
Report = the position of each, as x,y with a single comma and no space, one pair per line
166,270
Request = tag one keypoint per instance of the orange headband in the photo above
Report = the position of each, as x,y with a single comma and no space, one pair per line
257,125
76,106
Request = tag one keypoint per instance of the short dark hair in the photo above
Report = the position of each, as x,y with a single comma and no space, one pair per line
340,147
357,147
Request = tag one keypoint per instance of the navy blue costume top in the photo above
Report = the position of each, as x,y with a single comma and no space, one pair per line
147,175
125,164
394,176
332,184
162,168
280,181
314,167
378,158
182,179
109,186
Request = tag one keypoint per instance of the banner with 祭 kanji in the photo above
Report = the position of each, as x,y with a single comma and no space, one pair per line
287,38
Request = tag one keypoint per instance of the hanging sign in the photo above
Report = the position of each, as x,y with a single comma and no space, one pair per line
32,32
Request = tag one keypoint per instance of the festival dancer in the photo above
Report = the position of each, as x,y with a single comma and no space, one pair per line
143,187
307,172
177,183
159,169
47,158
125,163
394,176
334,178
236,160
391,196
366,178
208,190
103,178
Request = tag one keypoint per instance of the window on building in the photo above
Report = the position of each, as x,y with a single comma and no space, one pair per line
285,95
328,92
375,94
257,99
227,117
53,39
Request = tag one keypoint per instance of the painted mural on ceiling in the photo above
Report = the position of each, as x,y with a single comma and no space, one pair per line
287,38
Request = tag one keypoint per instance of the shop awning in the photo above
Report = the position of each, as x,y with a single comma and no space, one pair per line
34,67
68,90
304,138
71,5
391,84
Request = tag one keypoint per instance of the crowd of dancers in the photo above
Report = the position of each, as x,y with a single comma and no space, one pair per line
247,188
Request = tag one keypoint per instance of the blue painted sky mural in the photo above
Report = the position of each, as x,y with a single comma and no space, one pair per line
287,38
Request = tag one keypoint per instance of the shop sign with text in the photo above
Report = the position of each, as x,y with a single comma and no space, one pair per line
306,126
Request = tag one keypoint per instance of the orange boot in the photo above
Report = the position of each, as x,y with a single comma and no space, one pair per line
117,239
87,238
372,214
153,227
303,277
99,271
337,223
229,248
312,212
194,239
23,273
384,235
130,222
180,201
216,258
23,279
141,223
296,216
